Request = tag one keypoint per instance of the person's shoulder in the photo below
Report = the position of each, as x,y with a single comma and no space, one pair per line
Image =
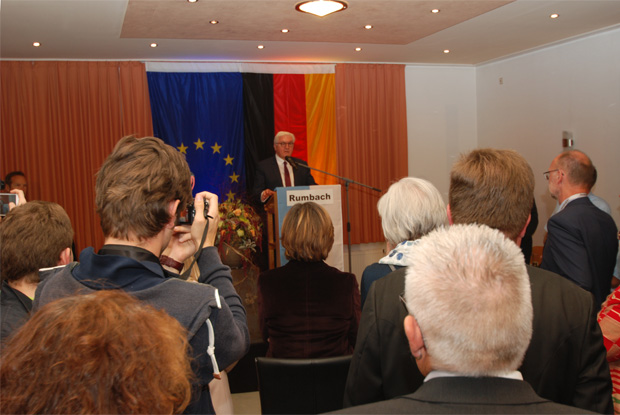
266,162
543,281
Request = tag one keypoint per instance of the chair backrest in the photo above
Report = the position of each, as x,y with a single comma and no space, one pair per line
301,386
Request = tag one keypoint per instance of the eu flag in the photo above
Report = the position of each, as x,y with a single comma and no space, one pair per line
201,114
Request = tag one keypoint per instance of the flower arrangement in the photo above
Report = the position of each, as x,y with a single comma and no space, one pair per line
240,228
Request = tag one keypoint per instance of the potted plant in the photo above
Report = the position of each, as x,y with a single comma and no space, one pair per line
239,233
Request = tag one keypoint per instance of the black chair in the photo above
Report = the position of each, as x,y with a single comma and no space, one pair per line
301,386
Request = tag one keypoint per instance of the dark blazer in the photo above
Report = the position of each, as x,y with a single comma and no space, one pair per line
308,309
268,176
14,310
582,246
466,395
565,362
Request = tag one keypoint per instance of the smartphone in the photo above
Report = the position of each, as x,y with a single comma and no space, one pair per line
5,199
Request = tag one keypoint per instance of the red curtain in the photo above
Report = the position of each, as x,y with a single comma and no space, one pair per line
371,125
58,122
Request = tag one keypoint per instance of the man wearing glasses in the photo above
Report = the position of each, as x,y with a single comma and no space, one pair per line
277,171
581,241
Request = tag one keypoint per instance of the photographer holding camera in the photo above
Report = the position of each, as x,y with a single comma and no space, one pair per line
141,190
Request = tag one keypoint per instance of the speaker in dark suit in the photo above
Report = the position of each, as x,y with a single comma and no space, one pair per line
272,172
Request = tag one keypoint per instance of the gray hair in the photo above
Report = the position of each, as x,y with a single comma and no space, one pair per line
411,208
469,291
276,139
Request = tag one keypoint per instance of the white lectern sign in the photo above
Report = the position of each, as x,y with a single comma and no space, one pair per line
326,196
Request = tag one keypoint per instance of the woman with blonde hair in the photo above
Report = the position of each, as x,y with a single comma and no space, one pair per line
307,308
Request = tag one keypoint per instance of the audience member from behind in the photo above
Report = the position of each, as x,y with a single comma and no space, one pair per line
141,189
16,180
34,235
410,209
565,361
581,241
468,326
101,353
306,307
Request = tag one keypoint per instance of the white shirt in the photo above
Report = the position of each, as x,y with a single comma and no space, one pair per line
281,168
443,374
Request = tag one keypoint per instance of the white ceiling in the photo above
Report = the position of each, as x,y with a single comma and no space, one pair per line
404,30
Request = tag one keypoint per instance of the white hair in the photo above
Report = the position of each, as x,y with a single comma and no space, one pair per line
411,208
276,139
469,291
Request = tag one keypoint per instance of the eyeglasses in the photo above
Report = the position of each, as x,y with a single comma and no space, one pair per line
291,144
546,174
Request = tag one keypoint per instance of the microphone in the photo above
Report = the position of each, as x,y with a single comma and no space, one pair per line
290,161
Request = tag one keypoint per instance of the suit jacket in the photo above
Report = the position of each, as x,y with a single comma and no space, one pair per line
14,310
308,309
565,362
466,395
268,176
582,246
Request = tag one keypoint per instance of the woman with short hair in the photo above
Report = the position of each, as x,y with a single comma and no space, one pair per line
307,308
410,209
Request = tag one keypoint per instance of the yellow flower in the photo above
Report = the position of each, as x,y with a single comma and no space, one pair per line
240,233
237,212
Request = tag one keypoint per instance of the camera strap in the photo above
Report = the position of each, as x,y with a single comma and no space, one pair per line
188,271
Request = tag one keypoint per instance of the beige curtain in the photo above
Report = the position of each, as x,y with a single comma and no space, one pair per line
58,122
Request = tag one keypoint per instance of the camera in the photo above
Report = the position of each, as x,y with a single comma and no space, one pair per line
187,216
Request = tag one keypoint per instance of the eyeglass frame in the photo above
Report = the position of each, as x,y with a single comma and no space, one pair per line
547,173
291,144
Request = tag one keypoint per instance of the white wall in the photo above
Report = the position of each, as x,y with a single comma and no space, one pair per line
441,119
573,86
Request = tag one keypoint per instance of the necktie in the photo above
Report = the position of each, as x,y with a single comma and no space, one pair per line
287,176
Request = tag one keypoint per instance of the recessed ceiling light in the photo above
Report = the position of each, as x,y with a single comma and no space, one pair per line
368,26
36,44
554,16
321,7
214,22
446,51
153,45
261,47
435,11
192,1
358,49
284,30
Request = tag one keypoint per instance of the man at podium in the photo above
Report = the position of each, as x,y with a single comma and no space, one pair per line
278,171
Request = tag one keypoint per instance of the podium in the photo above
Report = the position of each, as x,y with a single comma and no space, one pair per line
328,196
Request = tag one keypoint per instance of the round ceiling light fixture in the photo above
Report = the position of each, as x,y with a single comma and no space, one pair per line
321,8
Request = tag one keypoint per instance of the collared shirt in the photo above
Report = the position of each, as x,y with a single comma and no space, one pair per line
570,199
516,375
280,162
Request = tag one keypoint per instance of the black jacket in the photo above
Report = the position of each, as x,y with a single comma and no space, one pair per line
14,310
565,362
268,176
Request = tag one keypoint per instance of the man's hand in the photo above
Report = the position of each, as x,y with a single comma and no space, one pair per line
266,194
20,196
198,226
185,240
